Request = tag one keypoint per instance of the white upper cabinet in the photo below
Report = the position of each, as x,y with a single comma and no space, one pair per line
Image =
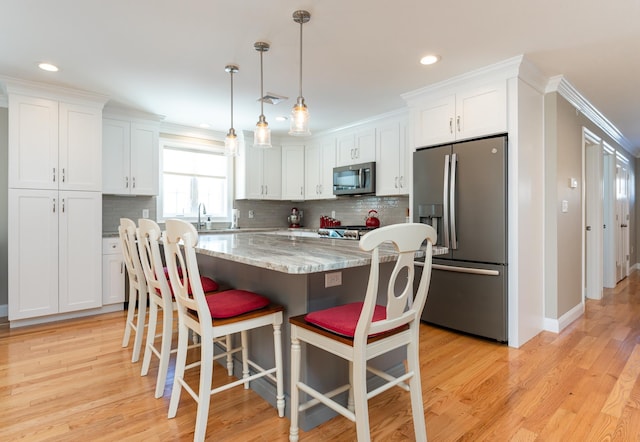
320,159
54,144
293,173
130,157
259,173
356,147
469,112
392,155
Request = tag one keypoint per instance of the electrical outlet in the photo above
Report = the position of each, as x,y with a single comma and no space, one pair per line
251,214
332,279
333,214
145,213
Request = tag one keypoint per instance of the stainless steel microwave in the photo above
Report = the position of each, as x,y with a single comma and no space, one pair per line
356,179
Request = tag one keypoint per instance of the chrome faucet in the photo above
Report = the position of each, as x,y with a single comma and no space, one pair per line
204,212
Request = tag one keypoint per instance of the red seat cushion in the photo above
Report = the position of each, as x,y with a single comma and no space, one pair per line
229,303
343,319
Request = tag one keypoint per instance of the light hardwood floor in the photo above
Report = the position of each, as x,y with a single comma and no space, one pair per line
72,381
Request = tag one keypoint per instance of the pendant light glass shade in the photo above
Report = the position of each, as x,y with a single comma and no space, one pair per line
262,134
231,144
300,113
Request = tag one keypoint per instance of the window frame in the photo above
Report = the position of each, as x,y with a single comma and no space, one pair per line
201,145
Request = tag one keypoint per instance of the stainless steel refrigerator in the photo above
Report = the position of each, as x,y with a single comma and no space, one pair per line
461,189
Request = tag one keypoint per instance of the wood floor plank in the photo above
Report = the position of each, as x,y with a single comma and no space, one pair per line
72,380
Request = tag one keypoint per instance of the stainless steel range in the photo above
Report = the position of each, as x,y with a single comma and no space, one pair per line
344,232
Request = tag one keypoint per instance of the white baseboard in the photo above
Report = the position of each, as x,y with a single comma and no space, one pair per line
61,316
4,310
557,325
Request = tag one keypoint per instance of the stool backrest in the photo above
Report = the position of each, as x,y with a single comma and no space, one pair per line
149,235
130,253
401,308
184,258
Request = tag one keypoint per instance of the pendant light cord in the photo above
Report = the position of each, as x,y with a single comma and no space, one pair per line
231,72
300,94
261,87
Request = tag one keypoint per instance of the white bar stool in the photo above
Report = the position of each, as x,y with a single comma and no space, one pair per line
213,316
361,331
137,287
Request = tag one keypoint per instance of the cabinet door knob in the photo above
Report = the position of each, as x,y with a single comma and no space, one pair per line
126,182
451,125
63,175
458,122
133,182
54,174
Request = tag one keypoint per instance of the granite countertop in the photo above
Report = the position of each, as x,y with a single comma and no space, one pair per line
290,252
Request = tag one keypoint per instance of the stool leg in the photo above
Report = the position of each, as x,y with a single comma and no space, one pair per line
229,355
142,313
415,386
350,405
204,390
151,338
359,387
295,377
131,312
277,345
165,351
181,360
245,357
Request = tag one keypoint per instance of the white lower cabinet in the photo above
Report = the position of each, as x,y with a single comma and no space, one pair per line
112,272
55,244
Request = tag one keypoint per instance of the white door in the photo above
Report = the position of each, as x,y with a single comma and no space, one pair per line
609,213
593,220
622,220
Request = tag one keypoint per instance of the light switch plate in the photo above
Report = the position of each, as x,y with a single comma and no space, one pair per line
565,206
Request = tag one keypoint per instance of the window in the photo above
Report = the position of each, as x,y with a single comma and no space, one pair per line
194,176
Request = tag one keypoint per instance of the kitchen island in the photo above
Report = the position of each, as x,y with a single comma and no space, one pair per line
304,273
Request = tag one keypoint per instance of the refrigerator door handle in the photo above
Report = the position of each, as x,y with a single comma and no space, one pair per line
445,201
465,270
454,239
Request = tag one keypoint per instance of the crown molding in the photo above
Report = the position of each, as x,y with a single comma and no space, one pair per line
12,85
562,86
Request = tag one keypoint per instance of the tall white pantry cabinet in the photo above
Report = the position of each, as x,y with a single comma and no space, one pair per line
55,201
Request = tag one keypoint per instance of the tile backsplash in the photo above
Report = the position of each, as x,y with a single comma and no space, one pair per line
115,207
349,210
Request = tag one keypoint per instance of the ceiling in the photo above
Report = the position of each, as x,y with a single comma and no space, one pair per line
168,57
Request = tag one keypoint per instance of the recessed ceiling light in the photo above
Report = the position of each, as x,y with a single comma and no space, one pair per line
205,125
429,59
48,67
281,118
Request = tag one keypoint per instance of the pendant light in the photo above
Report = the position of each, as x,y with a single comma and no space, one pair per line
262,134
300,114
231,141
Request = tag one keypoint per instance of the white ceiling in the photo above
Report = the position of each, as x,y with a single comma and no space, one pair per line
168,57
